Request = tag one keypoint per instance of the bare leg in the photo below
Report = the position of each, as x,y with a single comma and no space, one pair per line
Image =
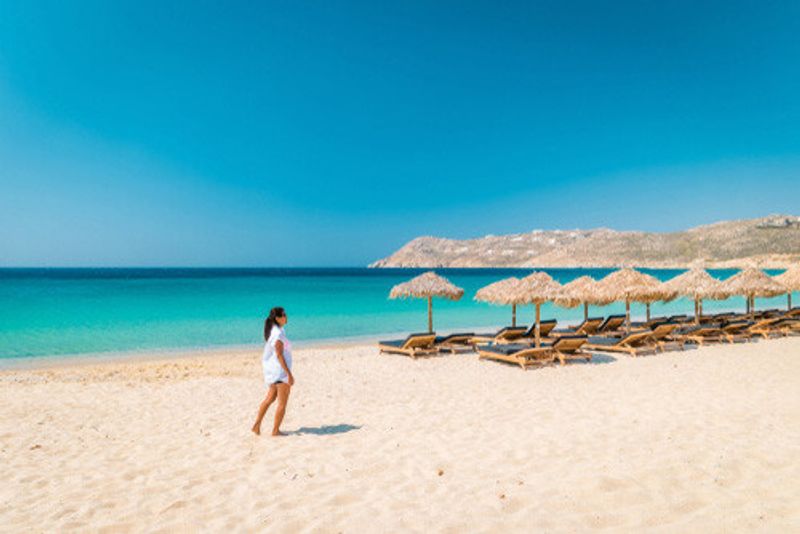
272,394
283,398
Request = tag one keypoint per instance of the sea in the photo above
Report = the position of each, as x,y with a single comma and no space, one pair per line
115,311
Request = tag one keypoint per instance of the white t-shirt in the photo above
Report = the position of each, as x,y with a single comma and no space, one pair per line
273,372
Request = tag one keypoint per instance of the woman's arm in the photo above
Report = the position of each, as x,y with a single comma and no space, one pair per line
282,361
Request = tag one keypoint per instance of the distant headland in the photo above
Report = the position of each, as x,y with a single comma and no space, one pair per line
768,242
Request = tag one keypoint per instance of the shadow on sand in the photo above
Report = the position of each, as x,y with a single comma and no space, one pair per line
599,358
325,430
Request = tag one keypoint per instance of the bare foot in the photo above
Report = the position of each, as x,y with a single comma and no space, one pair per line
256,430
277,434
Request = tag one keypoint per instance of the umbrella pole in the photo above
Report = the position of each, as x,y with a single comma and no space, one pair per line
753,308
648,311
696,311
513,315
627,316
789,298
586,308
430,315
538,339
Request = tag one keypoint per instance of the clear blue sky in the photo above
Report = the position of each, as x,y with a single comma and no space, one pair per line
330,133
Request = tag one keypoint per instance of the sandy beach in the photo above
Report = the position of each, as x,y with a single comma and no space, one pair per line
705,440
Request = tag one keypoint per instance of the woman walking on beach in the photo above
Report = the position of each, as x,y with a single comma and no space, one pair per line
277,364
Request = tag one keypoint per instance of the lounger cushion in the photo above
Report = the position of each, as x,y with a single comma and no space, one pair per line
578,327
443,339
509,349
652,320
606,341
690,330
544,326
401,342
568,340
504,329
610,319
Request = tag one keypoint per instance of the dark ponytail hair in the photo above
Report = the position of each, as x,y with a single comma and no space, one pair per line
271,321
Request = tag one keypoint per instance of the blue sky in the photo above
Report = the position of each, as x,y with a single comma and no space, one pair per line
330,133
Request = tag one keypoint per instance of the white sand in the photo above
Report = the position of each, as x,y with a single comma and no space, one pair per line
706,441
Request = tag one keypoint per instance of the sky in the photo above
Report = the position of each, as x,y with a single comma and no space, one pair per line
144,133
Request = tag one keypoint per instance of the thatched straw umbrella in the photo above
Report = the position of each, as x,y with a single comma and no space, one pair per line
427,285
698,285
631,285
791,281
583,290
509,291
752,283
541,288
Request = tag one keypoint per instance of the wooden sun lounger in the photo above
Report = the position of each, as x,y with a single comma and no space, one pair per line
545,328
454,342
720,318
788,326
587,327
663,336
736,331
611,323
788,322
702,334
570,348
505,335
683,318
656,321
634,344
765,328
523,355
414,345
564,349
647,325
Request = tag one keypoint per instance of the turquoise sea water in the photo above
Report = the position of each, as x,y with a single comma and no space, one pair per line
82,311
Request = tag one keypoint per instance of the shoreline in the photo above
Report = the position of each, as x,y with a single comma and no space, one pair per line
176,353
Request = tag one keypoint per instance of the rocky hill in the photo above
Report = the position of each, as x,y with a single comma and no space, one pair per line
772,241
